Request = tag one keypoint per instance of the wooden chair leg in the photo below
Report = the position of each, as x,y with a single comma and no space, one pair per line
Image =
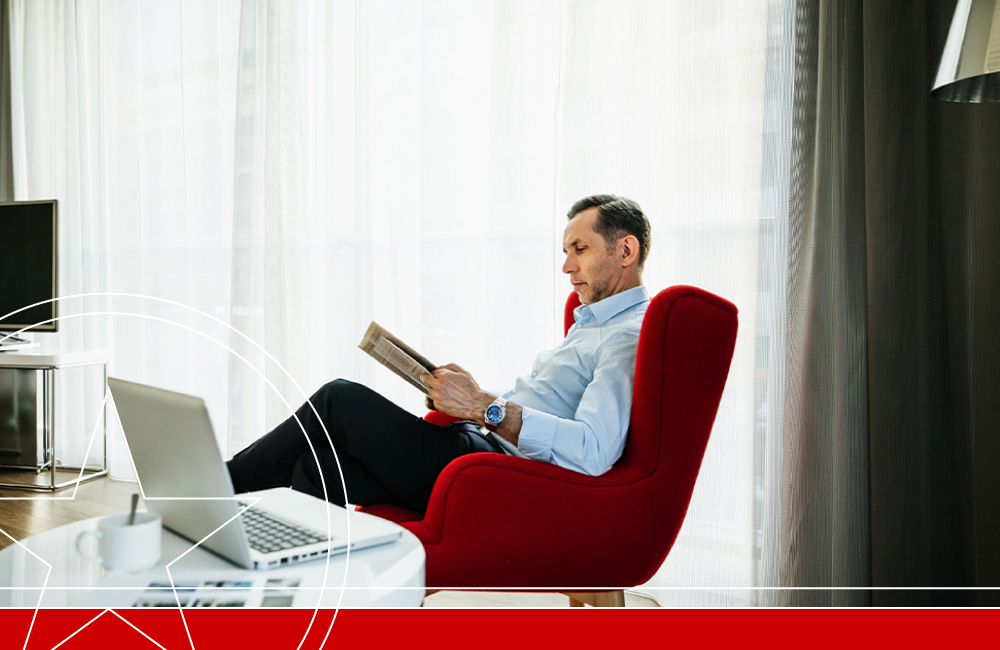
596,598
610,599
428,592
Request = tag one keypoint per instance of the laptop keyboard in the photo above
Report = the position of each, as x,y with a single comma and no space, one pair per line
270,535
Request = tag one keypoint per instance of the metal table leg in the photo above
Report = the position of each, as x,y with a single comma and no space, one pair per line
49,435
49,445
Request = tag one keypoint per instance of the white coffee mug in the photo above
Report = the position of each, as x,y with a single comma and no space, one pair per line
123,547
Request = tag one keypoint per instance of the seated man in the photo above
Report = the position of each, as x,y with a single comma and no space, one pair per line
571,410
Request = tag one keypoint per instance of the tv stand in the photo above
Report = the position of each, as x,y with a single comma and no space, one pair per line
48,364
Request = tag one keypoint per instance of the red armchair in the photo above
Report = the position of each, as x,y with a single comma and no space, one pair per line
501,522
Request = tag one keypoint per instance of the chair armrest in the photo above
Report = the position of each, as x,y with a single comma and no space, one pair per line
439,418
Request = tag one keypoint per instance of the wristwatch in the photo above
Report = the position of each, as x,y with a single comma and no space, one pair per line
495,413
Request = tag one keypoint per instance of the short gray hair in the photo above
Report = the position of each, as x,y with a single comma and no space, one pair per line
617,217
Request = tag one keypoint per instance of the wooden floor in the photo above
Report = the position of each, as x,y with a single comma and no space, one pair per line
33,512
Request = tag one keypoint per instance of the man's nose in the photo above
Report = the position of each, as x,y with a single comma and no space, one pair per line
569,266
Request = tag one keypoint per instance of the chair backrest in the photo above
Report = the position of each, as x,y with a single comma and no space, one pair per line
685,348
571,303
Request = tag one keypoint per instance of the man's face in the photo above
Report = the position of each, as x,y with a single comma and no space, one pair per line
593,269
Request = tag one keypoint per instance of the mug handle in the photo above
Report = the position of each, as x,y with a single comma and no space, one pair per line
96,559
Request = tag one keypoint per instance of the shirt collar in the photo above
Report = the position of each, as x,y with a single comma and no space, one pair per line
606,309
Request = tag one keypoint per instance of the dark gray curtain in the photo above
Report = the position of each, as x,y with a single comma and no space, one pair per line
6,143
965,205
892,409
825,536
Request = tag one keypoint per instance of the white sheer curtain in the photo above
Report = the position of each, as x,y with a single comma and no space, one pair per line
395,177
299,168
123,111
417,170
56,133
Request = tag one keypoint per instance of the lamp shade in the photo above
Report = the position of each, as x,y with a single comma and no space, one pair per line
970,65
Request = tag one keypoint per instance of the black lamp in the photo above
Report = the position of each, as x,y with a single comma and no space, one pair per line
970,65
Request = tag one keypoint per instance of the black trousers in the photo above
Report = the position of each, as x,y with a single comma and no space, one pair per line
387,454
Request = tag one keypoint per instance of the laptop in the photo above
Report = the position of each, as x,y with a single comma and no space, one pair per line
176,457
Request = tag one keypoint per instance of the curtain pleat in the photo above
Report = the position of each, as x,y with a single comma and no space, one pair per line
962,492
913,477
6,143
52,57
824,497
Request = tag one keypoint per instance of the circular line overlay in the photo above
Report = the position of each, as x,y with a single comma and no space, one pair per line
288,375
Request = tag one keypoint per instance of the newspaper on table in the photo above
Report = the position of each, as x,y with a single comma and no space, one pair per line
396,355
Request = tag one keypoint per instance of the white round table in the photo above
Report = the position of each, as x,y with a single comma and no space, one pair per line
390,575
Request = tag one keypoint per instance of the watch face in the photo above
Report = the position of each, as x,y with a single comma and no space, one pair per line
494,414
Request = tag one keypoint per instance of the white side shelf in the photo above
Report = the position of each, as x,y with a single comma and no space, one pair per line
44,359
47,362
7,346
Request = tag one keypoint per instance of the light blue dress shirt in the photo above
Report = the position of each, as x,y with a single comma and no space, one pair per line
577,400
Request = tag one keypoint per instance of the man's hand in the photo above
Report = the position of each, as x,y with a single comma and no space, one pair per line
455,392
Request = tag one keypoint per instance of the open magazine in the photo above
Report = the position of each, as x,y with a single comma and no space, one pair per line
396,355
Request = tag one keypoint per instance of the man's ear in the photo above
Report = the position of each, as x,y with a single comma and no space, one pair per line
628,249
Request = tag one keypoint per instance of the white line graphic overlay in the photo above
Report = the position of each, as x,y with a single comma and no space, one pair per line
253,368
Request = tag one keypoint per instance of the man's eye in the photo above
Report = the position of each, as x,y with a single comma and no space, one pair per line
580,250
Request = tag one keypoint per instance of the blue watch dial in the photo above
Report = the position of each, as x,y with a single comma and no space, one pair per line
494,414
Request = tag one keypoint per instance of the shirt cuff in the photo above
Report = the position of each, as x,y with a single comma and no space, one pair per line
538,430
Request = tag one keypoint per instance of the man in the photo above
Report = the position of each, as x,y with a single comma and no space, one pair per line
572,410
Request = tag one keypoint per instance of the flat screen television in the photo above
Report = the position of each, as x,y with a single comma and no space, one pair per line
28,272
